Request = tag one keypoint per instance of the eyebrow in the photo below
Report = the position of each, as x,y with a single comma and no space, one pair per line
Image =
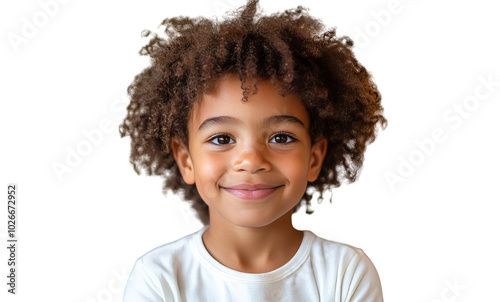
218,120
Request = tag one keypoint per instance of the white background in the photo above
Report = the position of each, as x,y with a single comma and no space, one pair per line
80,233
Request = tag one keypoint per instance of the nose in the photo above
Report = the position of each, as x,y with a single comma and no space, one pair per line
251,158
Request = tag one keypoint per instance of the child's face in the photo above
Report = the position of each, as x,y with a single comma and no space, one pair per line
250,161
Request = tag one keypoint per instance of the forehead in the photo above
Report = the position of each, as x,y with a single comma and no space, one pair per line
225,100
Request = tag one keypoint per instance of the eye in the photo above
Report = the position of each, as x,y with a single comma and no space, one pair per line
282,138
221,139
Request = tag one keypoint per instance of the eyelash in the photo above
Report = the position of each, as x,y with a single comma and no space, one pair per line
224,135
292,139
219,135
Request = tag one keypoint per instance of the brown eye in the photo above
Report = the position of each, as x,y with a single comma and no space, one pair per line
221,140
281,138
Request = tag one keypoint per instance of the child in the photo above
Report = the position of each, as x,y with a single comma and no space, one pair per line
246,118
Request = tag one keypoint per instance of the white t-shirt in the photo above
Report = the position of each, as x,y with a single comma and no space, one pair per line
320,270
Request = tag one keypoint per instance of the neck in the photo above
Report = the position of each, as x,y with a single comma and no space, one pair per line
252,249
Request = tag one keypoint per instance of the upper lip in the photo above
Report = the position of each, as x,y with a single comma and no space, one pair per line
252,187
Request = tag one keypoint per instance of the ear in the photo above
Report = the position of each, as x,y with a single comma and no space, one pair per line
184,162
318,152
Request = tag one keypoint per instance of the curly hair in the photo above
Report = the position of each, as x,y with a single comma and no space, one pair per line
288,48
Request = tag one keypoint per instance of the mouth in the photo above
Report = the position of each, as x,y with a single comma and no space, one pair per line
251,191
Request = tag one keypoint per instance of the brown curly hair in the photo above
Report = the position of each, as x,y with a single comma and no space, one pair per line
291,50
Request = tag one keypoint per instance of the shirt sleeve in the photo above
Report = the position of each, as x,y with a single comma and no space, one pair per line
361,281
142,286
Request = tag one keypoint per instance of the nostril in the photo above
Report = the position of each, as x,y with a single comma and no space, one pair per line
252,166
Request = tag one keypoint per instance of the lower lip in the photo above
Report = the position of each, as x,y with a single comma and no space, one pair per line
251,194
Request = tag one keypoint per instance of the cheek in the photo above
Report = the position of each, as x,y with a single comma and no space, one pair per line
295,167
209,171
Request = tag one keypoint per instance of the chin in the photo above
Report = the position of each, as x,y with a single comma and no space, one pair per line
254,220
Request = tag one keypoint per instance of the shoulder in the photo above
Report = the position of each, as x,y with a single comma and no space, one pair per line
153,277
336,251
354,273
167,250
167,258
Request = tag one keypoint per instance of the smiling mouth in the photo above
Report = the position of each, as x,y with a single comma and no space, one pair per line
251,191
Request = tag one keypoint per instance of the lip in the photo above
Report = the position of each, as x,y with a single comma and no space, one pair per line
251,191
